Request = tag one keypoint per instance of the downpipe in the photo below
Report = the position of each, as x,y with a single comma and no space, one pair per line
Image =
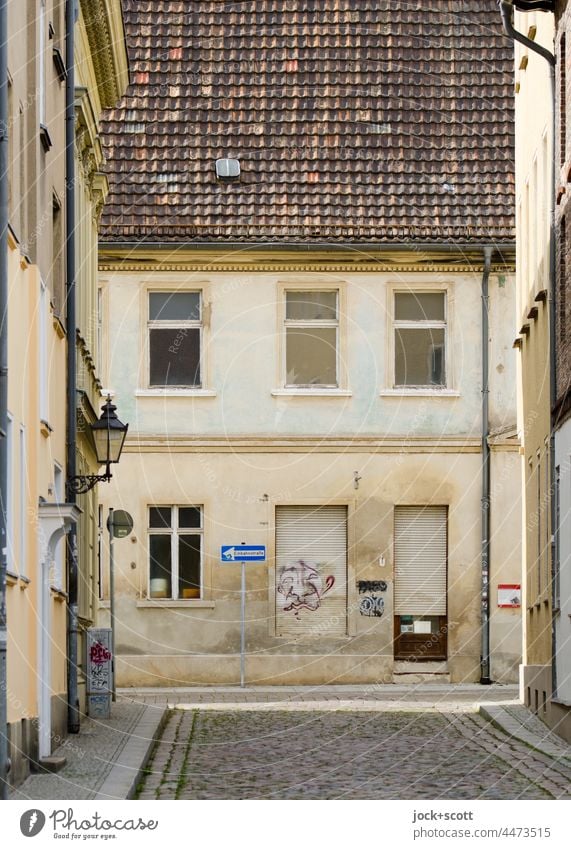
485,508
73,713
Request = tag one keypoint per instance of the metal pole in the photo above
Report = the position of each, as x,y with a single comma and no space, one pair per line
4,754
485,659
112,602
243,628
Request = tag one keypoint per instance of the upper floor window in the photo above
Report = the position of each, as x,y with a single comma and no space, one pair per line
175,339
420,339
175,552
311,338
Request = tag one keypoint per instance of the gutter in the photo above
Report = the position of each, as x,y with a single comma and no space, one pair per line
306,247
485,508
4,130
506,10
73,716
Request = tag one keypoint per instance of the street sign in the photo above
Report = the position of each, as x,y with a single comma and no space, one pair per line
243,553
122,524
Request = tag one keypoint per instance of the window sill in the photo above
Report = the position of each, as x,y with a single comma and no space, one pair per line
175,393
104,604
58,594
421,392
167,602
326,393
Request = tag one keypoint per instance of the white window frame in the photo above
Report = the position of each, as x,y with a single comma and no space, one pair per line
174,532
154,324
23,506
42,23
10,498
428,388
289,323
43,354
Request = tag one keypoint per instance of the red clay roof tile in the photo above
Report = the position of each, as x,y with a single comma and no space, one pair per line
353,120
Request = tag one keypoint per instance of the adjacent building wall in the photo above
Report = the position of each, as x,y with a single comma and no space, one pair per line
533,199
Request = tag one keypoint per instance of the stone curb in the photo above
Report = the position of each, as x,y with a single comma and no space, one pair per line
122,780
501,718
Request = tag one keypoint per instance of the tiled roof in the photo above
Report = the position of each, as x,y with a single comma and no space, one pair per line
353,121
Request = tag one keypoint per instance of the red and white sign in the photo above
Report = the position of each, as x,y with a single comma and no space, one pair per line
509,595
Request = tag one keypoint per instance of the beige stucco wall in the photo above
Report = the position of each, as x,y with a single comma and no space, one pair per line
167,643
533,202
229,449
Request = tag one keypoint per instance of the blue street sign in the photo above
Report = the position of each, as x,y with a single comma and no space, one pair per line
242,553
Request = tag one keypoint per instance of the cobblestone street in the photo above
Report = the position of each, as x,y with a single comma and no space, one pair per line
228,754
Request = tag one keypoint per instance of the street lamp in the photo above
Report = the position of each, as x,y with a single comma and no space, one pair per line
108,437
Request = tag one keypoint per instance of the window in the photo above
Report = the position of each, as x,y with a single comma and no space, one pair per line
311,339
175,552
42,63
175,331
10,497
420,339
43,353
23,502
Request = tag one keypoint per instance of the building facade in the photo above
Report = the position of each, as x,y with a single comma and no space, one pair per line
292,284
561,702
534,181
38,515
543,321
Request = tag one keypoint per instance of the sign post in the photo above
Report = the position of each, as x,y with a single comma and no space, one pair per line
243,627
120,525
243,554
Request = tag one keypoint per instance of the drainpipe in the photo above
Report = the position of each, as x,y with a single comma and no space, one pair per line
485,509
506,10
73,720
4,754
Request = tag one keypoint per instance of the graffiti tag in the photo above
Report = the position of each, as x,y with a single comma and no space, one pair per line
371,605
372,586
99,654
302,586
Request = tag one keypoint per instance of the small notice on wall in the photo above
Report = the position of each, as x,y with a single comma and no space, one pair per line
509,595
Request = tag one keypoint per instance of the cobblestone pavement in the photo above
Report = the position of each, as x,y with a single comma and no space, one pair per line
344,754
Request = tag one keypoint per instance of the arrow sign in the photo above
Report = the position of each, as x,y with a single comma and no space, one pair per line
243,553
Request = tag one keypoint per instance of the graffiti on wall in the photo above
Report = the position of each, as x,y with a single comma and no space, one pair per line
302,587
372,586
372,605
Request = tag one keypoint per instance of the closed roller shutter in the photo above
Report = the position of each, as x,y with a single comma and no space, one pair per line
420,560
311,571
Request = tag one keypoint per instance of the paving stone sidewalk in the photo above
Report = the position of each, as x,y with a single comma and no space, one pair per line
106,760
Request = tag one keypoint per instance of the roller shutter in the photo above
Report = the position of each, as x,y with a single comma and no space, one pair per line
420,560
311,571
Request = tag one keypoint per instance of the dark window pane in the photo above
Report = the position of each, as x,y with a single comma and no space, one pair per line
419,306
160,566
311,356
174,306
189,566
159,517
189,517
175,357
311,306
420,357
